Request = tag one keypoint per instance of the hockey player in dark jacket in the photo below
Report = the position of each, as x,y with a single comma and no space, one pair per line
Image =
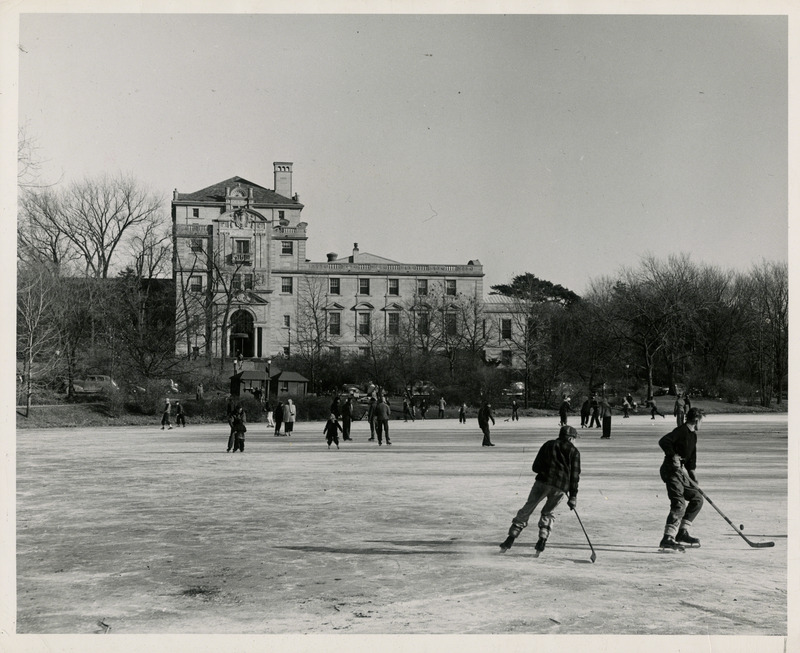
558,470
685,500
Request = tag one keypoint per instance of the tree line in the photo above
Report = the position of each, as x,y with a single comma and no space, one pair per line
90,255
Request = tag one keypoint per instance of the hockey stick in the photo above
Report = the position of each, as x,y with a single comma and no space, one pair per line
757,545
594,555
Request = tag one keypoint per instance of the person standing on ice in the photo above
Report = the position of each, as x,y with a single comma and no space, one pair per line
558,471
685,500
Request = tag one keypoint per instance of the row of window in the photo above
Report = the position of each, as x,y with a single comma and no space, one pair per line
393,286
222,209
242,246
506,357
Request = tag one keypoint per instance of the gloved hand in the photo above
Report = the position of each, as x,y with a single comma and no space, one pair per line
572,502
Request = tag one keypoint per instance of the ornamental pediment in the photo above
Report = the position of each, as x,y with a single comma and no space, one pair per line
363,306
393,307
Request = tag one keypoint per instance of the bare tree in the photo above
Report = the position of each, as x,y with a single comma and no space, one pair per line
41,237
37,334
768,327
311,334
100,213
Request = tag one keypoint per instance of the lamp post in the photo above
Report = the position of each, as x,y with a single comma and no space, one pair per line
269,365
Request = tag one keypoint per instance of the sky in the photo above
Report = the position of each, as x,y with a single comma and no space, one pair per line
565,146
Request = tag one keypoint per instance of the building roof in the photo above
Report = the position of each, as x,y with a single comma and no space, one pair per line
292,376
217,193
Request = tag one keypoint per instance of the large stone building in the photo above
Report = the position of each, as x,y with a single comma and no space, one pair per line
244,285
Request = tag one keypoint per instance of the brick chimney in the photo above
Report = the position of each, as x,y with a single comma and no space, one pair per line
283,178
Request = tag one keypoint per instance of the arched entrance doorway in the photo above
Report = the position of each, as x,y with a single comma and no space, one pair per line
242,339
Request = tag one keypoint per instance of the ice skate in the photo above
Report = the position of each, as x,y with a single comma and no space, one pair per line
539,547
669,545
505,546
684,538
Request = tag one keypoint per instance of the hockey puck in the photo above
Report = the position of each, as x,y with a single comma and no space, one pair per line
741,527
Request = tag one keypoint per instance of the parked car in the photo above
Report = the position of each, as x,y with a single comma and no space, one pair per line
516,389
349,389
94,384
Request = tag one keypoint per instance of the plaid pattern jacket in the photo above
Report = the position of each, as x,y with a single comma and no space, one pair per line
558,463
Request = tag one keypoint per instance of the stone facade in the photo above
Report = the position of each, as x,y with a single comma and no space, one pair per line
243,283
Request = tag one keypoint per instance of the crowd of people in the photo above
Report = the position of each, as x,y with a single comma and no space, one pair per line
557,463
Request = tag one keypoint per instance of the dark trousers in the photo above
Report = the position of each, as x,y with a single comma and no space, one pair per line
278,426
563,417
607,427
238,441
180,420
381,426
584,419
486,439
684,500
346,421
595,421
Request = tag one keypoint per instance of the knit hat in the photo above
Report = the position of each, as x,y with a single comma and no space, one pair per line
567,432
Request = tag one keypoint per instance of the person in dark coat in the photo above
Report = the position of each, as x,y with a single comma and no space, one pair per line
382,414
180,417
558,471
595,421
514,411
484,415
347,418
336,408
373,402
239,429
586,409
331,430
277,416
678,473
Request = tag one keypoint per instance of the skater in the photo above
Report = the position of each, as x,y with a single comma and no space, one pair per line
484,415
514,411
165,415
679,410
626,407
595,421
268,413
407,411
558,470
347,418
180,417
423,408
277,415
654,409
412,404
382,414
605,416
442,404
685,501
331,430
373,402
462,414
586,408
562,410
335,408
239,429
289,416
